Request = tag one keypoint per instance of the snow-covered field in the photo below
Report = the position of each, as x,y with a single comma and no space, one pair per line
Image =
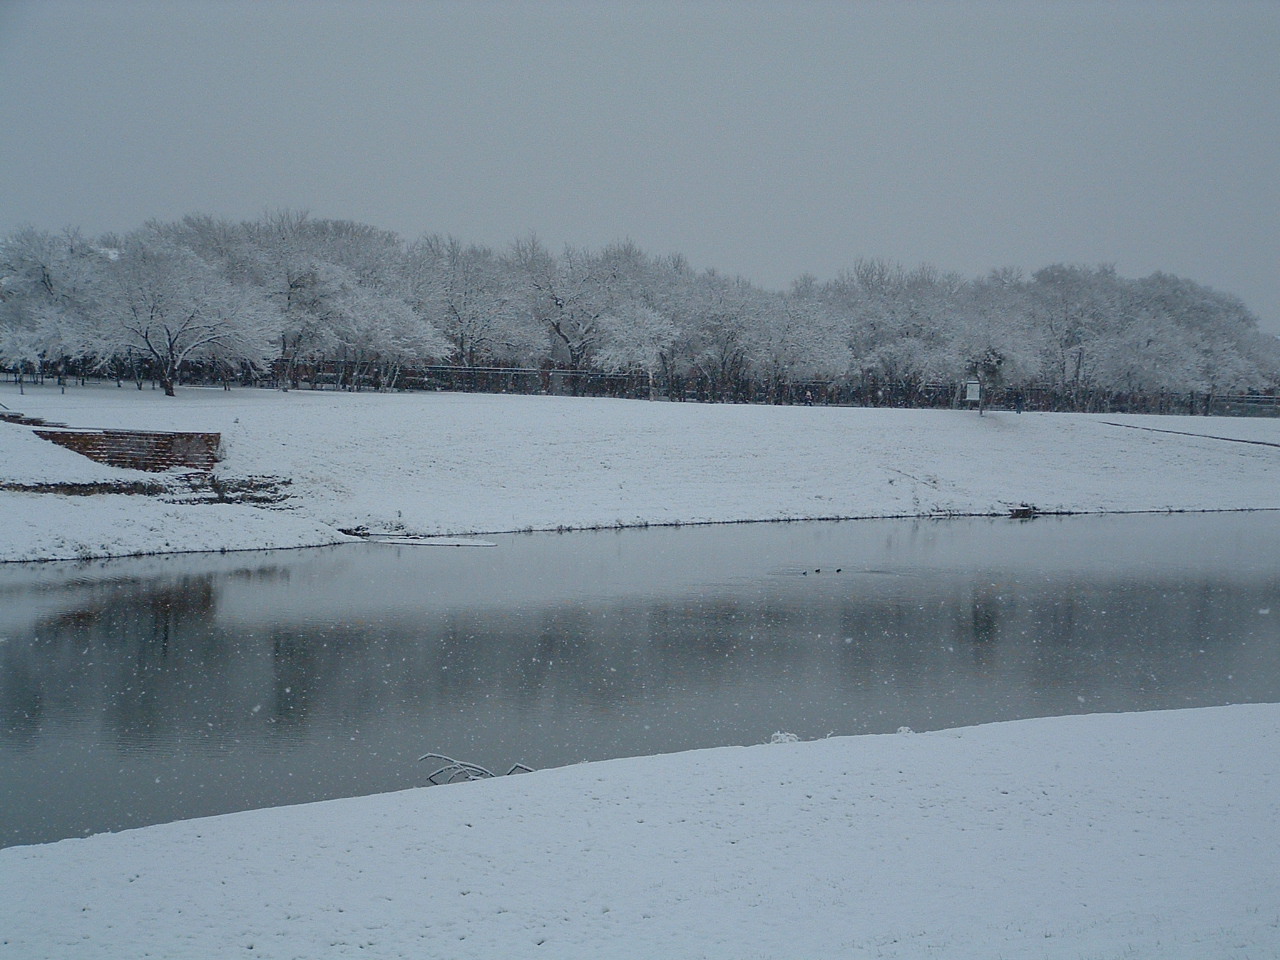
466,463
1138,835
1151,835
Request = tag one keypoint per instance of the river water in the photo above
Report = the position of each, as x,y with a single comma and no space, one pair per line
151,689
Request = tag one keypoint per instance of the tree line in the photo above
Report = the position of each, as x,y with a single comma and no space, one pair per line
289,296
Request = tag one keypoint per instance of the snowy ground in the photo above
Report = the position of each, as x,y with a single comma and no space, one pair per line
466,463
1139,835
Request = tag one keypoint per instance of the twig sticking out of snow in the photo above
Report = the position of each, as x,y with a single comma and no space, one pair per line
459,771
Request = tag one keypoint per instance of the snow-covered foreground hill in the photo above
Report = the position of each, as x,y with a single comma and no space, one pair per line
1137,835
467,463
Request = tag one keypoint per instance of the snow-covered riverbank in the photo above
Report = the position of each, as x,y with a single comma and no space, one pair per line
1137,835
468,463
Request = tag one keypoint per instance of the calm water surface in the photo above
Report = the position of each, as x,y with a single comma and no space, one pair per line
145,690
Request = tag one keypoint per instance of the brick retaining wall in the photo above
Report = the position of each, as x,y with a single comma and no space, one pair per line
149,450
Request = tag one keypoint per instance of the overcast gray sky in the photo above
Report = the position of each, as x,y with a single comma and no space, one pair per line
763,139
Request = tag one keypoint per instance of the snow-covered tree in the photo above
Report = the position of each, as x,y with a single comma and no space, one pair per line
566,295
470,296
793,340
993,338
909,322
164,302
358,298
1075,307
47,293
715,336
636,338
342,291
1218,335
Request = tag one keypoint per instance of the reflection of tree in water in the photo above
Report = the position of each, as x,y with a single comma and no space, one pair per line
274,574
296,671
125,613
151,661
1139,636
127,653
986,611
558,644
888,643
21,700
706,640
698,638
598,655
149,673
984,615
466,655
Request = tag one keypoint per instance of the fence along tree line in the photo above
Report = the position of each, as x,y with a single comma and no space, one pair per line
307,301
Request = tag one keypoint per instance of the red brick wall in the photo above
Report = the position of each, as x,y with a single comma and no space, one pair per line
141,449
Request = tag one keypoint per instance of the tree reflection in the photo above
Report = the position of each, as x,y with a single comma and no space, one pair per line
296,676
159,673
21,700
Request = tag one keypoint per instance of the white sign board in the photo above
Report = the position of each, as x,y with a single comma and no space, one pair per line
972,390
